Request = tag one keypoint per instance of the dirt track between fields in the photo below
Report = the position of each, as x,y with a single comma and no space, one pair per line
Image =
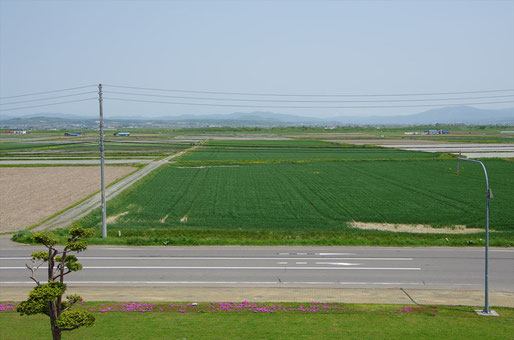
31,194
68,217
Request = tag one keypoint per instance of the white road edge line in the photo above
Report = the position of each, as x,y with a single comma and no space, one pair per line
333,254
244,282
228,258
339,263
247,268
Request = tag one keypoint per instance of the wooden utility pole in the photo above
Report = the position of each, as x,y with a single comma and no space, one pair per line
102,161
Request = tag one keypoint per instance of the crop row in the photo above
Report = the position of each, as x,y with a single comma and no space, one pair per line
295,153
314,196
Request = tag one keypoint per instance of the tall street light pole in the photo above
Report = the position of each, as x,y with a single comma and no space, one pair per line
102,161
488,195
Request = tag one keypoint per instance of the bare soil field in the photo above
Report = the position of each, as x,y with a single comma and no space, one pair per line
31,194
415,228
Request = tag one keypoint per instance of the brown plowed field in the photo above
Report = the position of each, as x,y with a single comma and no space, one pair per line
28,195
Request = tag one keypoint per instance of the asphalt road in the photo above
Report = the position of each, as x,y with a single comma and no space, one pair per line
315,267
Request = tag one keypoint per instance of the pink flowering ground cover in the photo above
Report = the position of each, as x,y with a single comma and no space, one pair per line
237,307
7,306
247,307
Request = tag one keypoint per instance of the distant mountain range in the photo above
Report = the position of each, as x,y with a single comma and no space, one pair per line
445,115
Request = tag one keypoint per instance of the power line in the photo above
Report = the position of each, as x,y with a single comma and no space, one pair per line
28,107
47,98
38,93
311,95
269,100
305,107
307,101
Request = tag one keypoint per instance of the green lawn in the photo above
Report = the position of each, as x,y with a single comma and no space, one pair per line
350,322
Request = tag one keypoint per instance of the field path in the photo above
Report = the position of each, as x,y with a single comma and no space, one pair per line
69,216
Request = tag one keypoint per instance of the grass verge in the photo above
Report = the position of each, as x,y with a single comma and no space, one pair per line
356,237
270,321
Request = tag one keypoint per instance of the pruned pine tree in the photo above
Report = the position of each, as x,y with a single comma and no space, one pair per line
47,298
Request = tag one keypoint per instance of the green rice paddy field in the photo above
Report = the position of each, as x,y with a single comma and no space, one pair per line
306,192
76,149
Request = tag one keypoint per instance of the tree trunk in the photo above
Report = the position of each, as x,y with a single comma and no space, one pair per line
53,309
56,333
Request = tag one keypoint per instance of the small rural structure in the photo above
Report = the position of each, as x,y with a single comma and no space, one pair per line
16,132
436,132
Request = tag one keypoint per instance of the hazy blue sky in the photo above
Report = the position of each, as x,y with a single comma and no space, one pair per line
254,46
